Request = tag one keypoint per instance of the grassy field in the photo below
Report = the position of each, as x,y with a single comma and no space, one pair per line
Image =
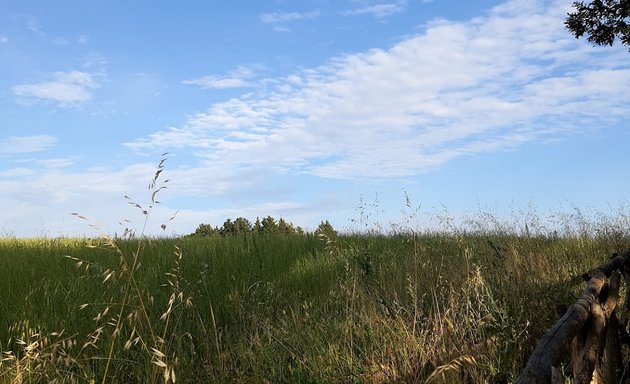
456,307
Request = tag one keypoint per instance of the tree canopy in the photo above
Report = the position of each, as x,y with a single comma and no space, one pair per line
603,21
241,225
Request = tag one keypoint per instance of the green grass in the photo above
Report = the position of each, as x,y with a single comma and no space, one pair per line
263,308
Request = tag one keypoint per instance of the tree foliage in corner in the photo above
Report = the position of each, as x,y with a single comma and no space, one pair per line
602,21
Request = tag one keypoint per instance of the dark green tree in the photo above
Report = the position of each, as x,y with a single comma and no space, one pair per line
269,225
603,21
258,228
285,228
205,230
242,225
239,226
228,228
325,228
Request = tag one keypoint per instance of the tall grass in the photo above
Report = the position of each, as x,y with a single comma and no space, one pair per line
458,307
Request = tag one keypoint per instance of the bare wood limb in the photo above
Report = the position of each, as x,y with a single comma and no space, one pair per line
598,359
577,348
553,347
592,347
611,365
625,313
612,299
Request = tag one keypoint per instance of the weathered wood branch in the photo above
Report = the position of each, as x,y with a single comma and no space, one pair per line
553,348
598,359
592,348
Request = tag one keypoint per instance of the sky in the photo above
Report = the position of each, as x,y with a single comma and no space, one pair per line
307,110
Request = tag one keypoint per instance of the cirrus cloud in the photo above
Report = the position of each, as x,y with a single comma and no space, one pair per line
379,10
237,78
278,19
66,89
457,89
26,144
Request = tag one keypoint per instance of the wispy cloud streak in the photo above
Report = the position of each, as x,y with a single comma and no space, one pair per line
67,89
279,19
457,89
380,10
237,78
26,144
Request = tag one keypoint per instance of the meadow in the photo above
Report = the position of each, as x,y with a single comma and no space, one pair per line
451,306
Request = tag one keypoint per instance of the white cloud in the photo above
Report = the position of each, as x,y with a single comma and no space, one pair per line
17,173
50,195
67,89
281,17
33,24
26,144
380,10
238,78
29,196
4,39
457,89
54,163
277,19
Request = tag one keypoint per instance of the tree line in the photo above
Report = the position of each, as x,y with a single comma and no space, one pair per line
267,225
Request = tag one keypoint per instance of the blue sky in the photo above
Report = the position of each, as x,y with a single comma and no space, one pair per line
304,110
